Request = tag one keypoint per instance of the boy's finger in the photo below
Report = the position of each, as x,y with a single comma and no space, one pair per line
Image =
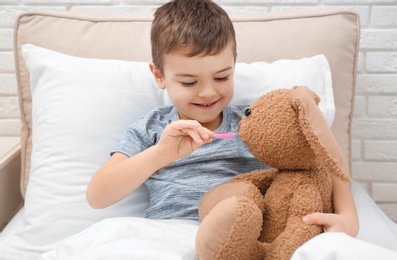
205,133
318,218
194,134
182,124
193,129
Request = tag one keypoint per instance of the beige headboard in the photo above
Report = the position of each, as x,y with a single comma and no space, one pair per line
267,37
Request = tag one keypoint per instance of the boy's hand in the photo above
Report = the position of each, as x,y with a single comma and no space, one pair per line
180,138
333,222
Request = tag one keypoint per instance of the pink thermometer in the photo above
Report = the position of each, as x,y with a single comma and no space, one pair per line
224,135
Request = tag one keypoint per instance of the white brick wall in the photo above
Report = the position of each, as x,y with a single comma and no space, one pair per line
375,116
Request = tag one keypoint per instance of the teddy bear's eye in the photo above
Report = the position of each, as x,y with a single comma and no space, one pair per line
247,112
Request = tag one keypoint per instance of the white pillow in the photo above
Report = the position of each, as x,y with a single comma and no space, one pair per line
255,79
82,106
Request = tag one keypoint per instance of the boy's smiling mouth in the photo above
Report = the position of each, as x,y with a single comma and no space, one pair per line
205,105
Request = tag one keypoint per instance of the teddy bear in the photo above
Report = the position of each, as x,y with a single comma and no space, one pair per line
258,215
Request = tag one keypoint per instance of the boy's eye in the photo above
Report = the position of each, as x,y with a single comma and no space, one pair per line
222,79
188,84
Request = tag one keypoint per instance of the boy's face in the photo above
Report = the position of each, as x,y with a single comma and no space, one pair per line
200,87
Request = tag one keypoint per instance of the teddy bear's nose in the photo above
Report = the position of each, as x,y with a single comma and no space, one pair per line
247,112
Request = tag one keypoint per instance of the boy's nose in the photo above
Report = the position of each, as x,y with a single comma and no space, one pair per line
207,90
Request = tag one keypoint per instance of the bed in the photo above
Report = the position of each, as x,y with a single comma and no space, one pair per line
83,78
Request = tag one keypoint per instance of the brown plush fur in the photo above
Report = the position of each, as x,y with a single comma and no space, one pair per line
258,215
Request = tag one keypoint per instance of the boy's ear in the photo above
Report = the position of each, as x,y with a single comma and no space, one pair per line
157,75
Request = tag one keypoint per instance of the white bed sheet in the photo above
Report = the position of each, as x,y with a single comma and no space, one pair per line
137,238
13,226
375,226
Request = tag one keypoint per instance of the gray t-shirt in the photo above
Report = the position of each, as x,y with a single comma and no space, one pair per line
175,190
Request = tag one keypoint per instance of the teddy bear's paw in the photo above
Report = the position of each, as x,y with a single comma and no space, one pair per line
231,231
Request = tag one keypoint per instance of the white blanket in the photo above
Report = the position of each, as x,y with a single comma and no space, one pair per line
130,238
330,246
145,239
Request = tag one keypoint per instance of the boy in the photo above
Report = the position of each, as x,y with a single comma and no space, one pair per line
173,150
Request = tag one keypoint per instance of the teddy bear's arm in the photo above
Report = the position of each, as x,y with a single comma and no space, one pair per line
262,179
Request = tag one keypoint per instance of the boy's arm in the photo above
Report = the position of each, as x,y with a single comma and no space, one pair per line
345,218
121,175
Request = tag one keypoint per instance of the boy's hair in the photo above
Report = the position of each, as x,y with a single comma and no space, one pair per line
200,26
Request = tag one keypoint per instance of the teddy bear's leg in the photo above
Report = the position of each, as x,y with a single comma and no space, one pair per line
227,190
231,231
306,199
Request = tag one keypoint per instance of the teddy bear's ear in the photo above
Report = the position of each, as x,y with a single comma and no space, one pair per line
317,132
